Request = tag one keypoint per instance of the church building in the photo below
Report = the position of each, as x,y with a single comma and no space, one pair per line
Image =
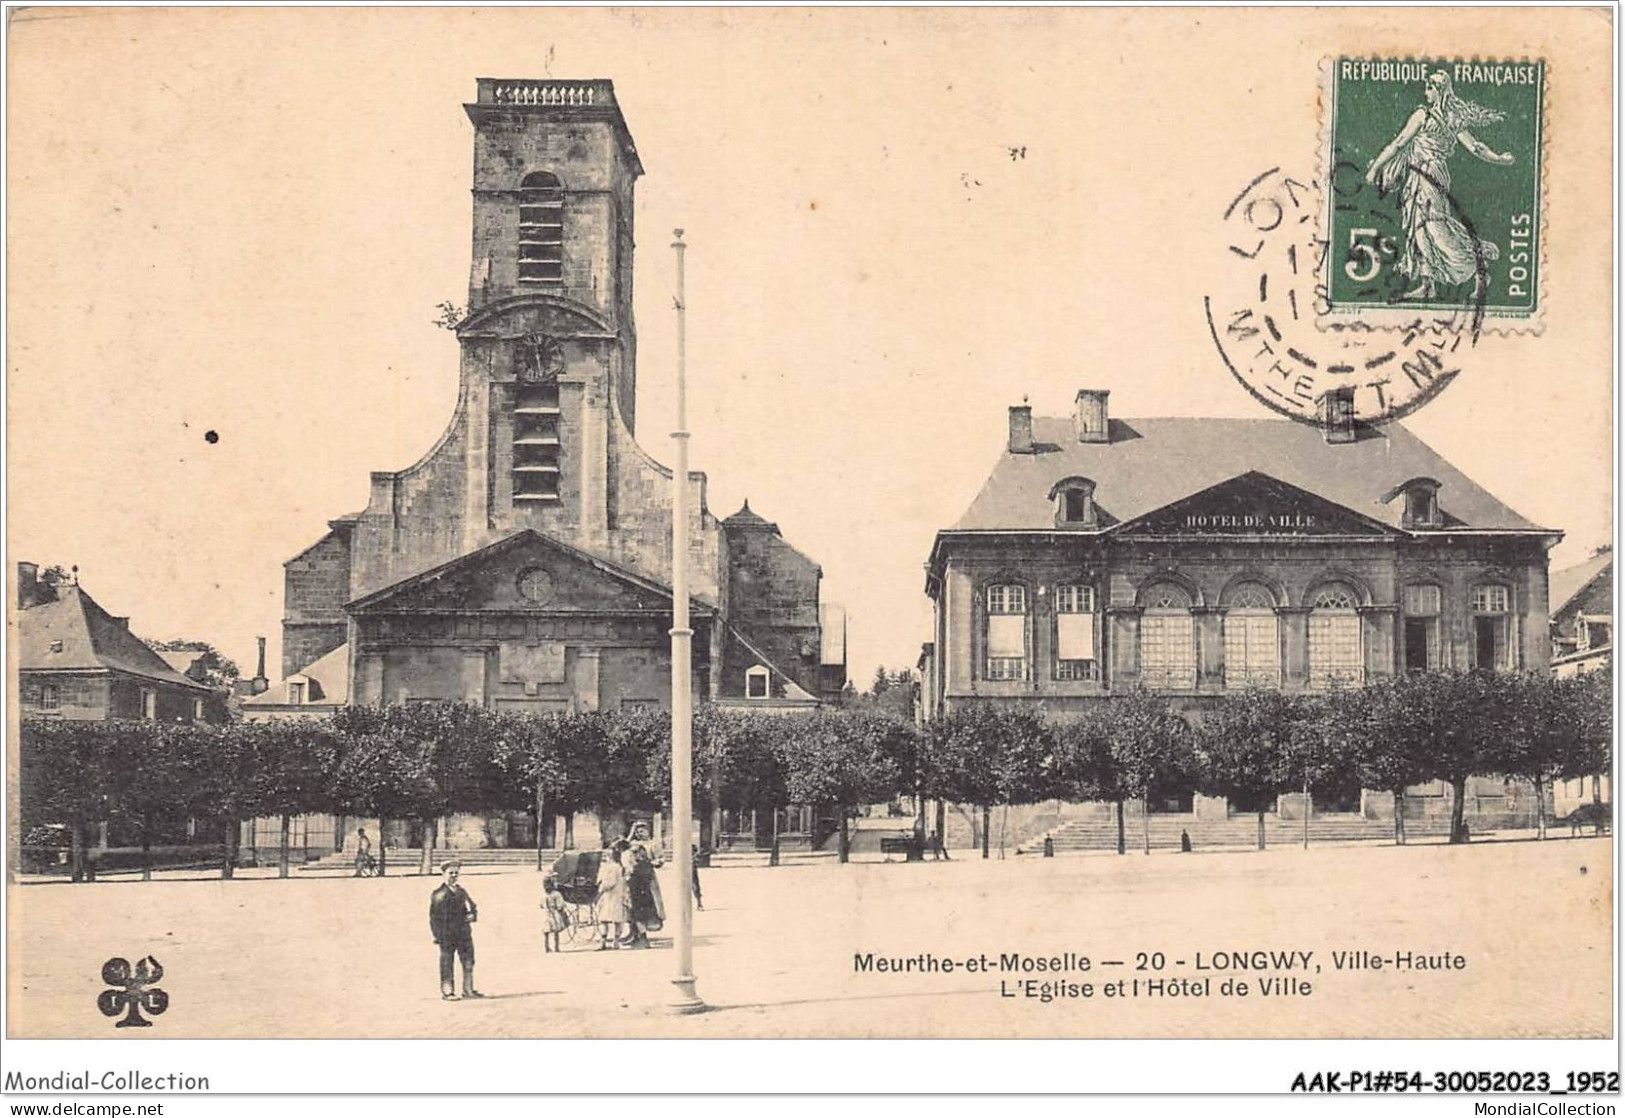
524,562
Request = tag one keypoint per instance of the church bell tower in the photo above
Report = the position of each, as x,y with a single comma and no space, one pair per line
548,343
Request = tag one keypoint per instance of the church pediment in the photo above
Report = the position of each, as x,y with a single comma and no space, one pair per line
1254,504
525,573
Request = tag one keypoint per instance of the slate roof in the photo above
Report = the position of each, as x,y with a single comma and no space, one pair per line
330,672
90,640
1150,463
747,517
1567,583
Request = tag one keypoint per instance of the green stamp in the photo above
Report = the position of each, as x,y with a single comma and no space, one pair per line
1434,177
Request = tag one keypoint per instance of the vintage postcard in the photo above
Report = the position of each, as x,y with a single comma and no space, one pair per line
810,524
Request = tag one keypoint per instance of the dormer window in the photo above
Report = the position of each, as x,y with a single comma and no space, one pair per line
756,682
1074,499
1421,508
296,694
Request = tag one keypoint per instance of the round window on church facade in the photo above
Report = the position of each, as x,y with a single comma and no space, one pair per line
536,585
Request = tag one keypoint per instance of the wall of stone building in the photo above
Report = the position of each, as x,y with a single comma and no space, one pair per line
1597,598
414,518
79,697
1457,567
623,663
315,587
174,703
597,194
1377,571
773,593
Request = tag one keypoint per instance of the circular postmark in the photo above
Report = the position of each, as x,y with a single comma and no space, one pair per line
1266,312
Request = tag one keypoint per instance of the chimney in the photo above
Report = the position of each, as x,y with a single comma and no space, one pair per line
1092,415
1021,430
27,584
1337,422
259,684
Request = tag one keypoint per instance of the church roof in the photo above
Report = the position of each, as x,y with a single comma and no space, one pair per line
330,674
1148,464
1567,583
74,633
746,517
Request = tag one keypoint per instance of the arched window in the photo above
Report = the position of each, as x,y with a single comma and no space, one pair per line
1492,610
1334,637
1167,639
1252,643
541,229
1007,631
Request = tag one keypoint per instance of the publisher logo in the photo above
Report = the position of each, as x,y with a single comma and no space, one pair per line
135,989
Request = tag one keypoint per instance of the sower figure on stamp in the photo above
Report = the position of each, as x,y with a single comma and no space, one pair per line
1439,249
451,912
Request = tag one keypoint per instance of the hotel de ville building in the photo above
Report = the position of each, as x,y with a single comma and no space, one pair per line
1194,557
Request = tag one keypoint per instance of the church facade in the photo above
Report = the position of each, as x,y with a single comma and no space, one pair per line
1193,557
524,562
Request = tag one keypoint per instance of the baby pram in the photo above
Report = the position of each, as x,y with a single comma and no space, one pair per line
577,875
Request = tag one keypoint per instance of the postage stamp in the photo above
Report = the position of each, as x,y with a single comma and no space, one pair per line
1266,312
1434,169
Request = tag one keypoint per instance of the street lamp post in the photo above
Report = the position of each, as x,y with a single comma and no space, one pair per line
685,999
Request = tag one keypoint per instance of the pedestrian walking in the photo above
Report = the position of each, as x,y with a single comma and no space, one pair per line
694,864
452,913
364,863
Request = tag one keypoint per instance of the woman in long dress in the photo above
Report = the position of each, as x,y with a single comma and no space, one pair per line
648,913
612,897
1439,249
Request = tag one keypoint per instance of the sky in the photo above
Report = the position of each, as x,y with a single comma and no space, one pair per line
901,222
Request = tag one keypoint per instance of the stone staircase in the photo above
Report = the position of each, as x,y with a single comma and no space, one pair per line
1076,836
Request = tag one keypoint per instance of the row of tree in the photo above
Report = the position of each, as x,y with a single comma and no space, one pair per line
425,761
1252,746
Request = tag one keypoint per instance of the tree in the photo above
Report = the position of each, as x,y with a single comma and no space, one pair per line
381,770
297,759
1391,755
148,778
1087,766
1244,750
223,772
1593,697
218,669
1150,748
959,763
833,759
1325,744
984,754
63,778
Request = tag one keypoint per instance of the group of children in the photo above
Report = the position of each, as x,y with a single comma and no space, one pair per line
627,897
